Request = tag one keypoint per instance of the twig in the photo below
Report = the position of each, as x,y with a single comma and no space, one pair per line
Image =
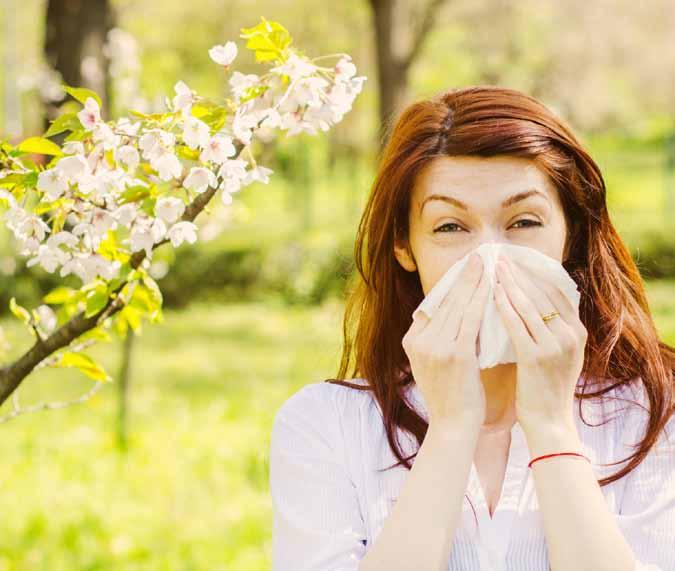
17,410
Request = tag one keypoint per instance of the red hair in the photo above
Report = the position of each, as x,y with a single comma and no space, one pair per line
622,346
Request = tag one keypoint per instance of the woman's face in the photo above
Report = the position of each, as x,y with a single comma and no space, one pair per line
461,202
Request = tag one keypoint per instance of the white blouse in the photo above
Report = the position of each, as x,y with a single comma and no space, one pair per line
330,503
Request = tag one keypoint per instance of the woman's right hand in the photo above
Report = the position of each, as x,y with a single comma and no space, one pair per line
442,351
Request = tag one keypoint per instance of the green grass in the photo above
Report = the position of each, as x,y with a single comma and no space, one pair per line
192,490
191,493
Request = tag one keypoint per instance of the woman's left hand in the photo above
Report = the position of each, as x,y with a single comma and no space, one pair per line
550,354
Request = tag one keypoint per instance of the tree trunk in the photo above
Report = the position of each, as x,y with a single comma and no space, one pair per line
398,42
392,75
124,380
75,33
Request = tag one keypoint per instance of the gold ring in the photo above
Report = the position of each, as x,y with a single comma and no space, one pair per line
549,316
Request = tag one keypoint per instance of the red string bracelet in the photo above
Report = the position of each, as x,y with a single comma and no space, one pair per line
557,454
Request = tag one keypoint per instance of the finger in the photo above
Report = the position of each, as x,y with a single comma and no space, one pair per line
450,314
473,315
518,333
568,310
524,307
537,293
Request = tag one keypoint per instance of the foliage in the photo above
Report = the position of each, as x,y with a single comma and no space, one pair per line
115,191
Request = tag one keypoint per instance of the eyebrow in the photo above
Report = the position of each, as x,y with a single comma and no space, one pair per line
508,201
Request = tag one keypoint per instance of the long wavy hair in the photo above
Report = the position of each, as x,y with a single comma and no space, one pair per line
622,344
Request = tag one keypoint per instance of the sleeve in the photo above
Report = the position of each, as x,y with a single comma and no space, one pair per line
647,511
317,522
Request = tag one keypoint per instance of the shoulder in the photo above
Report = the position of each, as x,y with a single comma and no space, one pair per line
319,411
321,397
632,409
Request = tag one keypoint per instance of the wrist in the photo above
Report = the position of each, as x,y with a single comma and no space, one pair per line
553,438
455,428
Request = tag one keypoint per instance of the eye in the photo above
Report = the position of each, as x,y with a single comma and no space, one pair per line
447,224
530,225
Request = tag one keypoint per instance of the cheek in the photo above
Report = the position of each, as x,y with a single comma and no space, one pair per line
432,268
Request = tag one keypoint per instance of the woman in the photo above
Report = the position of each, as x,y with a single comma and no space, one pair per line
528,445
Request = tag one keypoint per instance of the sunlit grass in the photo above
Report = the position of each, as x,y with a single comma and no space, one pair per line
192,490
191,493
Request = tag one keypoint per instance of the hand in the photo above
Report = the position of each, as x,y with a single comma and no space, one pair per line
443,355
550,354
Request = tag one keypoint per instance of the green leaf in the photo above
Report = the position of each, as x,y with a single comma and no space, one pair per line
251,93
21,312
84,363
152,116
111,249
187,153
23,180
153,288
61,295
40,145
269,40
96,300
82,93
132,316
59,220
78,135
96,333
134,194
65,122
148,205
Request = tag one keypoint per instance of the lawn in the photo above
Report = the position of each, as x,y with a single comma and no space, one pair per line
191,493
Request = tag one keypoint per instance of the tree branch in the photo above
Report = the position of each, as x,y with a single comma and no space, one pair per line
12,375
17,410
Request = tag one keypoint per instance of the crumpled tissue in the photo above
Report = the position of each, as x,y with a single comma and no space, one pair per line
494,344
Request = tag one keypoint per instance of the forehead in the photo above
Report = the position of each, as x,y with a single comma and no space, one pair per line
475,179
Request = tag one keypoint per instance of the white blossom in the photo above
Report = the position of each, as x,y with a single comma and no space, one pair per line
126,126
63,237
46,318
242,126
73,148
240,82
195,132
53,182
73,167
169,209
90,115
183,231
183,99
125,214
87,266
49,257
234,168
104,134
295,67
344,68
31,226
259,173
167,165
128,156
101,222
224,54
218,149
145,233
200,179
154,141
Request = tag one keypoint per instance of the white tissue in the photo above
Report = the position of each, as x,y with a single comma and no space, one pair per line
494,343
